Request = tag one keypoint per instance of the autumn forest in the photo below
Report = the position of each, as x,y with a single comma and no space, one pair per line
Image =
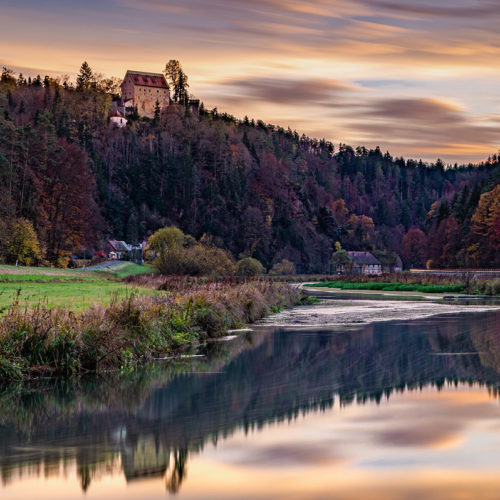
252,188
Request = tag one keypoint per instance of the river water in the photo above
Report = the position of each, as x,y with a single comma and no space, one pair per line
310,405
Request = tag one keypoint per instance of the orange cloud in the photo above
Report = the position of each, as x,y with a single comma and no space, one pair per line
426,45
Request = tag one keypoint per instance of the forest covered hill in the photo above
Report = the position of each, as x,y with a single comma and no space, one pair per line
255,189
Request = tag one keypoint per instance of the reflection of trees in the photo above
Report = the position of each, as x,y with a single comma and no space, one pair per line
147,425
175,477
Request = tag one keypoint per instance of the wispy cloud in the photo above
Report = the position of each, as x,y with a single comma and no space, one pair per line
360,71
289,91
446,8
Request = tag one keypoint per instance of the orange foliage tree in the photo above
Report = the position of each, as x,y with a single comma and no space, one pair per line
486,229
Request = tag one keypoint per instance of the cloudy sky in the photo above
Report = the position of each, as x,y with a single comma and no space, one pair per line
417,77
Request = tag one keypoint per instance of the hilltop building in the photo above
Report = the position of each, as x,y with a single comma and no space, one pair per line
144,90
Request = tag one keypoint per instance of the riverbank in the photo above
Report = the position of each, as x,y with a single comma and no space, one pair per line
46,341
340,293
341,311
408,282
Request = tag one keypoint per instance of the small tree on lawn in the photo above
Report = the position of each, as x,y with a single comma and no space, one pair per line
167,246
23,246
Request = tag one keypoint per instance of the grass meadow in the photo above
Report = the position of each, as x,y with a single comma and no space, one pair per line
75,290
465,283
391,287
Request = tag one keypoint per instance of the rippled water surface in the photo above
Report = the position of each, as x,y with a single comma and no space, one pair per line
299,408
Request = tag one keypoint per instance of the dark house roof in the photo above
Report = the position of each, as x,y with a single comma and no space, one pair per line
389,259
118,246
156,80
363,258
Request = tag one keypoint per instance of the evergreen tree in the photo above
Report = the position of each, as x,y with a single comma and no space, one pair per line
85,79
7,76
156,119
178,81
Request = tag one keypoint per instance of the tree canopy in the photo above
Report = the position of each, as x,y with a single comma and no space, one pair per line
177,80
254,189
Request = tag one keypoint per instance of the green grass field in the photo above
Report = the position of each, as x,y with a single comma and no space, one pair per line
123,269
390,287
73,289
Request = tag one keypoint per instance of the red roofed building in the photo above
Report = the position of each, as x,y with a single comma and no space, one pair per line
144,90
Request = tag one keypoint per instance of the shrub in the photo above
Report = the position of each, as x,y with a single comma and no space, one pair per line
167,247
487,287
249,268
22,243
177,253
200,260
283,268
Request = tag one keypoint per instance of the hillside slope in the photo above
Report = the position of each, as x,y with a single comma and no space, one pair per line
253,188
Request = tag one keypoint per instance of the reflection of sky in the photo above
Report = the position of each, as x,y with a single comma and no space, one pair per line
419,78
411,444
425,444
449,429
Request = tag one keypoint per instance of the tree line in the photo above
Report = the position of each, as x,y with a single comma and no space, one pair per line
254,189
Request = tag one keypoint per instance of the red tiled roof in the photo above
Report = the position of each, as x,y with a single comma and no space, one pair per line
156,80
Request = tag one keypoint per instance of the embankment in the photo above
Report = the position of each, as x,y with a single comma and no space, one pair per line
132,331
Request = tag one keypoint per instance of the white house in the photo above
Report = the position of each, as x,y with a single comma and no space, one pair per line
117,119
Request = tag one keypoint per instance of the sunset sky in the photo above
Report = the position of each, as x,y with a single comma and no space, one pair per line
420,78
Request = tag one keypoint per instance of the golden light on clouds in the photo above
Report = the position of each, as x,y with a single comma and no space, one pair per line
379,50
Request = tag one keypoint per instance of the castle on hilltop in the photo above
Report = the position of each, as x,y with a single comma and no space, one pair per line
143,90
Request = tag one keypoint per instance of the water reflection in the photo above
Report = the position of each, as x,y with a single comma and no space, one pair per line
153,423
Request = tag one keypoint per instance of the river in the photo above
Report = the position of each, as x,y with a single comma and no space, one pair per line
325,402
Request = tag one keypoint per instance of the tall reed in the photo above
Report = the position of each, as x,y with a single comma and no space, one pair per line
134,330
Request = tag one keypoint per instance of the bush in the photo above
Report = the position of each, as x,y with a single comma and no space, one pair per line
249,268
200,260
283,268
167,247
177,253
486,287
22,243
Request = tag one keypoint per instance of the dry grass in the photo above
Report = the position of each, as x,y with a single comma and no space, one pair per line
134,330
